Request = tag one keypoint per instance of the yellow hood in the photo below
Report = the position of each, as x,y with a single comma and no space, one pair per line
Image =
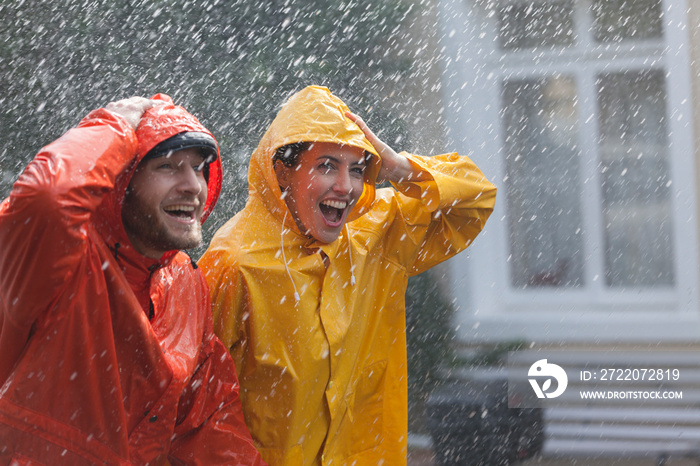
311,115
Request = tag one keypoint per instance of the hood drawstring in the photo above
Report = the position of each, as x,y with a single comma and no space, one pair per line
116,250
352,267
284,259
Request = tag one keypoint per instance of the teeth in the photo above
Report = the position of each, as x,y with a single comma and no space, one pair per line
182,208
335,204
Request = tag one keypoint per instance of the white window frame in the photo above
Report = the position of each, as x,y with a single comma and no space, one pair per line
489,308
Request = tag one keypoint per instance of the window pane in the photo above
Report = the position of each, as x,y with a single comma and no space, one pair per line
619,20
635,176
528,24
542,163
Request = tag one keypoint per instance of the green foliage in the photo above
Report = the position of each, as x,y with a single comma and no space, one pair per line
231,63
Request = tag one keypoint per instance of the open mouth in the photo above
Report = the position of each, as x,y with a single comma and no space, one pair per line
181,212
332,211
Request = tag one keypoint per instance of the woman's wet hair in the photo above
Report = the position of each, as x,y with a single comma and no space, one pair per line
289,154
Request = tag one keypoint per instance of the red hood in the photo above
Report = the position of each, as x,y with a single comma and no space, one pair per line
157,124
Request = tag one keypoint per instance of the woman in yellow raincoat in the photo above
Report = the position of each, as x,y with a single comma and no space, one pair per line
308,280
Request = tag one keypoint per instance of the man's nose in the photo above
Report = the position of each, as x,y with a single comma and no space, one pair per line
191,180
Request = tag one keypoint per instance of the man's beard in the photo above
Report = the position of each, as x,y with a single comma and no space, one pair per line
158,236
153,233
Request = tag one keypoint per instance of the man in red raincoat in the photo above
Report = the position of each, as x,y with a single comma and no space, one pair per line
107,354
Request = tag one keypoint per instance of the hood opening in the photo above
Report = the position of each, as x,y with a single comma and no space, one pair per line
162,129
311,115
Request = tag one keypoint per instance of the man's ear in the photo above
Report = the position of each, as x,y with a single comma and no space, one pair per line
281,171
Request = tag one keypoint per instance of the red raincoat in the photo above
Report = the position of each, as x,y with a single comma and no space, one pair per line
85,377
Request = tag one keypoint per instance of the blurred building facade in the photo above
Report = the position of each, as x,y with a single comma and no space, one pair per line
585,115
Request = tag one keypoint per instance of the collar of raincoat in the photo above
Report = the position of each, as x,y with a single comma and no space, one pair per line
157,124
313,114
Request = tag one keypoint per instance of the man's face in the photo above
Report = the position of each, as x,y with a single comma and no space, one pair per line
164,202
323,187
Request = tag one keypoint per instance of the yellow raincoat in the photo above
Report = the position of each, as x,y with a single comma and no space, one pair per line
323,378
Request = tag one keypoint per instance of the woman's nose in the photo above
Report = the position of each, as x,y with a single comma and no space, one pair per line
343,183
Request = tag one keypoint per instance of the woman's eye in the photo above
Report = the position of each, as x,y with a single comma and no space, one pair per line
325,167
358,171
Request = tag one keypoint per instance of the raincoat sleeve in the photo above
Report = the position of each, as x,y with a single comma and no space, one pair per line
228,293
210,429
44,221
435,219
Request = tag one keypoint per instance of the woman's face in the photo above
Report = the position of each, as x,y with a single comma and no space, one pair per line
322,188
